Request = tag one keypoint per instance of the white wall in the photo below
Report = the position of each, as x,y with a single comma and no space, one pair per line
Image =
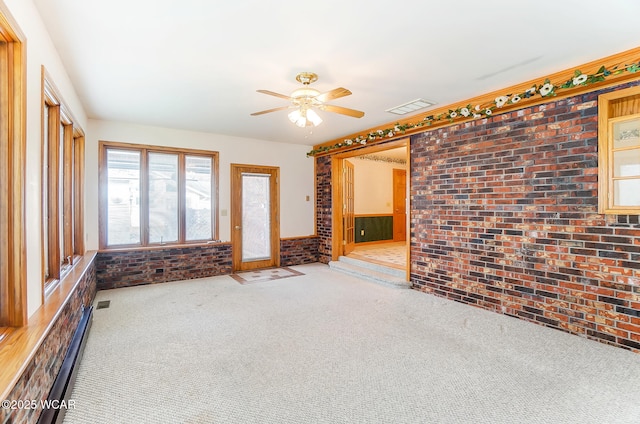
373,181
296,171
40,51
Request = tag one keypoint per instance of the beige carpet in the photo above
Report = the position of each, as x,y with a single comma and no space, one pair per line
328,348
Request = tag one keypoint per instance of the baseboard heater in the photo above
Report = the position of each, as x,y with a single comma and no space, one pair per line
63,385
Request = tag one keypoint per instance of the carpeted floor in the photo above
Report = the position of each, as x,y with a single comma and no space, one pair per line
328,348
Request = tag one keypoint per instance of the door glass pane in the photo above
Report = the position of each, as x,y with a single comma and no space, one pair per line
198,197
256,217
626,192
163,198
626,163
123,192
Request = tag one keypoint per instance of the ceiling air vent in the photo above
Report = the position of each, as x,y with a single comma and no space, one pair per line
411,106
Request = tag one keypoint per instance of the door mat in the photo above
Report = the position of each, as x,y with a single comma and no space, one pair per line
269,274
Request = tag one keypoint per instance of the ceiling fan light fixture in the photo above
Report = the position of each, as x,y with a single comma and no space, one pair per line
305,98
314,118
305,118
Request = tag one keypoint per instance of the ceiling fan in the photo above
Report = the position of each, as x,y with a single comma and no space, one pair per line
304,100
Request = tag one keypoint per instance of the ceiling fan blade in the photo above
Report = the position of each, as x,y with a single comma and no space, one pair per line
270,110
343,110
333,94
271,93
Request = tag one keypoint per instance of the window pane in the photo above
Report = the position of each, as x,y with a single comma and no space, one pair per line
626,192
626,163
61,162
256,235
163,198
123,204
626,134
198,197
45,194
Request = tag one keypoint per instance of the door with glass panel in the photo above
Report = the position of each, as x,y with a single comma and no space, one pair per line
255,222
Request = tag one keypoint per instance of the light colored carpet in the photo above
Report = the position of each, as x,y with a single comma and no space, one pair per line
324,347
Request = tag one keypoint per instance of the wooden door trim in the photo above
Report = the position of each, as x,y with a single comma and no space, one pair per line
236,218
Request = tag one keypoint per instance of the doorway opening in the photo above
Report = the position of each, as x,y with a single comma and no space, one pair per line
370,204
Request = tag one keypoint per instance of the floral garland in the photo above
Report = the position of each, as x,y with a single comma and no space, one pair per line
546,89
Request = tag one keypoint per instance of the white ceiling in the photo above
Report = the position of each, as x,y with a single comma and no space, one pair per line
196,64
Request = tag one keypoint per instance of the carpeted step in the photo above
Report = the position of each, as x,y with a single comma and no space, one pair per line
377,275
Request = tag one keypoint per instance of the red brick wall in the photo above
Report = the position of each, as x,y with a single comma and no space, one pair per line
38,378
298,251
323,208
136,267
504,216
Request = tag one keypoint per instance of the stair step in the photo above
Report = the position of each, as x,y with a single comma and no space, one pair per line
369,274
394,272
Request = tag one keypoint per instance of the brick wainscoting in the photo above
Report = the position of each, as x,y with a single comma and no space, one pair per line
298,250
136,267
38,377
160,265
504,216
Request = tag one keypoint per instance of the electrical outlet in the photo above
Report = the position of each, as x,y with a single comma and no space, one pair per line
361,232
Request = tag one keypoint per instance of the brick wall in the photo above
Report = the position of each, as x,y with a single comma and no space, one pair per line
504,216
323,208
150,266
38,378
298,250
135,267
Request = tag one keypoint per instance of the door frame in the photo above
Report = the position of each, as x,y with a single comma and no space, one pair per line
236,216
337,185
396,176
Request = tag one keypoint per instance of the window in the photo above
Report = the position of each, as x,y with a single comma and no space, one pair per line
62,183
13,307
155,196
619,151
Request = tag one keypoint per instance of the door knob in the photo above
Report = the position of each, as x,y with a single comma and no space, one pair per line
238,227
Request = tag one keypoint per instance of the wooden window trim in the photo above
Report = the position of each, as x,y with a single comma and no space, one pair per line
144,150
13,281
65,215
613,106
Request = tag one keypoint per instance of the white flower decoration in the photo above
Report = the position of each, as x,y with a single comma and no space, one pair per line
515,99
465,112
488,112
477,115
500,101
531,91
380,132
363,142
478,108
349,142
453,114
580,79
546,89
390,134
